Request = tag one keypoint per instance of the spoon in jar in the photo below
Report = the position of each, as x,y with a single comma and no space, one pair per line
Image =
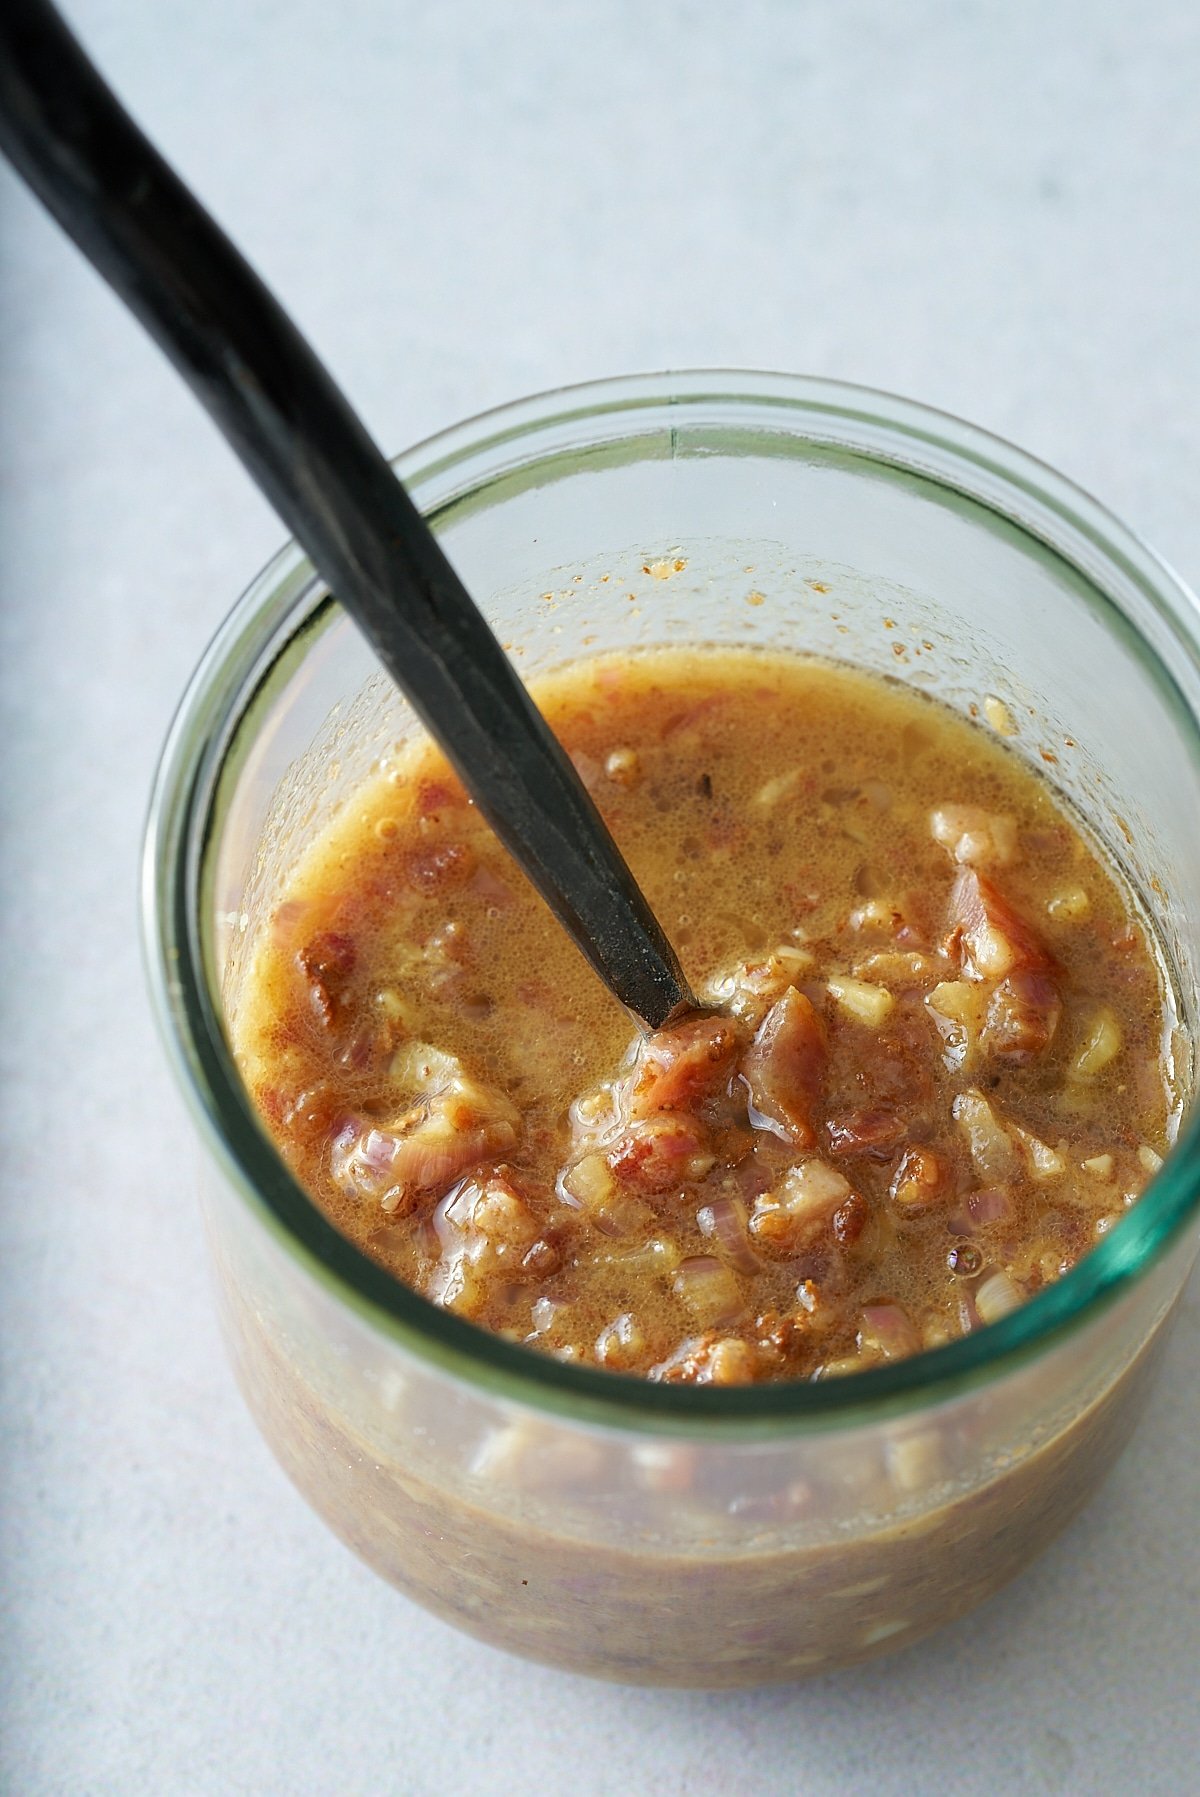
68,136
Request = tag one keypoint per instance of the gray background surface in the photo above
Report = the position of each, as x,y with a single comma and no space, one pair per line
993,207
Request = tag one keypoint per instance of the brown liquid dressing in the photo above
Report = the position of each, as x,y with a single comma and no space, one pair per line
935,1074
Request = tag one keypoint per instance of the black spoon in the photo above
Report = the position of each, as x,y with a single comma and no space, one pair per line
68,136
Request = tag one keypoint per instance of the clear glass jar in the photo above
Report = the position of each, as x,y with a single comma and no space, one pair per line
672,1534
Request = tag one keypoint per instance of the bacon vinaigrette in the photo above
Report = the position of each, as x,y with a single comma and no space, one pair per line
932,1069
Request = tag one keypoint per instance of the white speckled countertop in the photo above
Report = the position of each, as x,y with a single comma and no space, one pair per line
993,207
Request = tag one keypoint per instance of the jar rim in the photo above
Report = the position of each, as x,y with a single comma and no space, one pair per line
287,599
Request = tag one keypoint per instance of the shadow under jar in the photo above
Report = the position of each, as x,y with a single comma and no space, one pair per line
663,1533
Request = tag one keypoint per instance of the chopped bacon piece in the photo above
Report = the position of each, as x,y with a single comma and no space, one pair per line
497,1221
1022,1016
780,1334
921,1178
439,868
783,1068
710,1359
987,936
684,1067
875,1133
542,1259
461,1127
457,1125
438,795
798,1210
488,1231
662,1152
701,711
327,962
494,891
313,1112
850,1219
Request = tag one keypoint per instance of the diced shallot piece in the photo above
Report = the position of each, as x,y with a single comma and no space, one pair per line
1070,905
813,1186
985,1206
783,1069
724,1221
360,1160
650,1257
778,787
887,1330
878,917
623,1216
898,967
989,1204
996,1296
731,1361
546,1313
488,1229
623,767
495,1211
462,1126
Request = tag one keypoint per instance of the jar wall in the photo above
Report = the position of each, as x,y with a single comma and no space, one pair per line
687,1554
667,1558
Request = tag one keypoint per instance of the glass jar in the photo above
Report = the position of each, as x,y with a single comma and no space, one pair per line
665,1533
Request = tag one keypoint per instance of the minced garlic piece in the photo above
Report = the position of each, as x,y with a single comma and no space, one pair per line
999,716
1102,1046
868,1004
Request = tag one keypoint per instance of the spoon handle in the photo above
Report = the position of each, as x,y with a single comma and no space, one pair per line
68,136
